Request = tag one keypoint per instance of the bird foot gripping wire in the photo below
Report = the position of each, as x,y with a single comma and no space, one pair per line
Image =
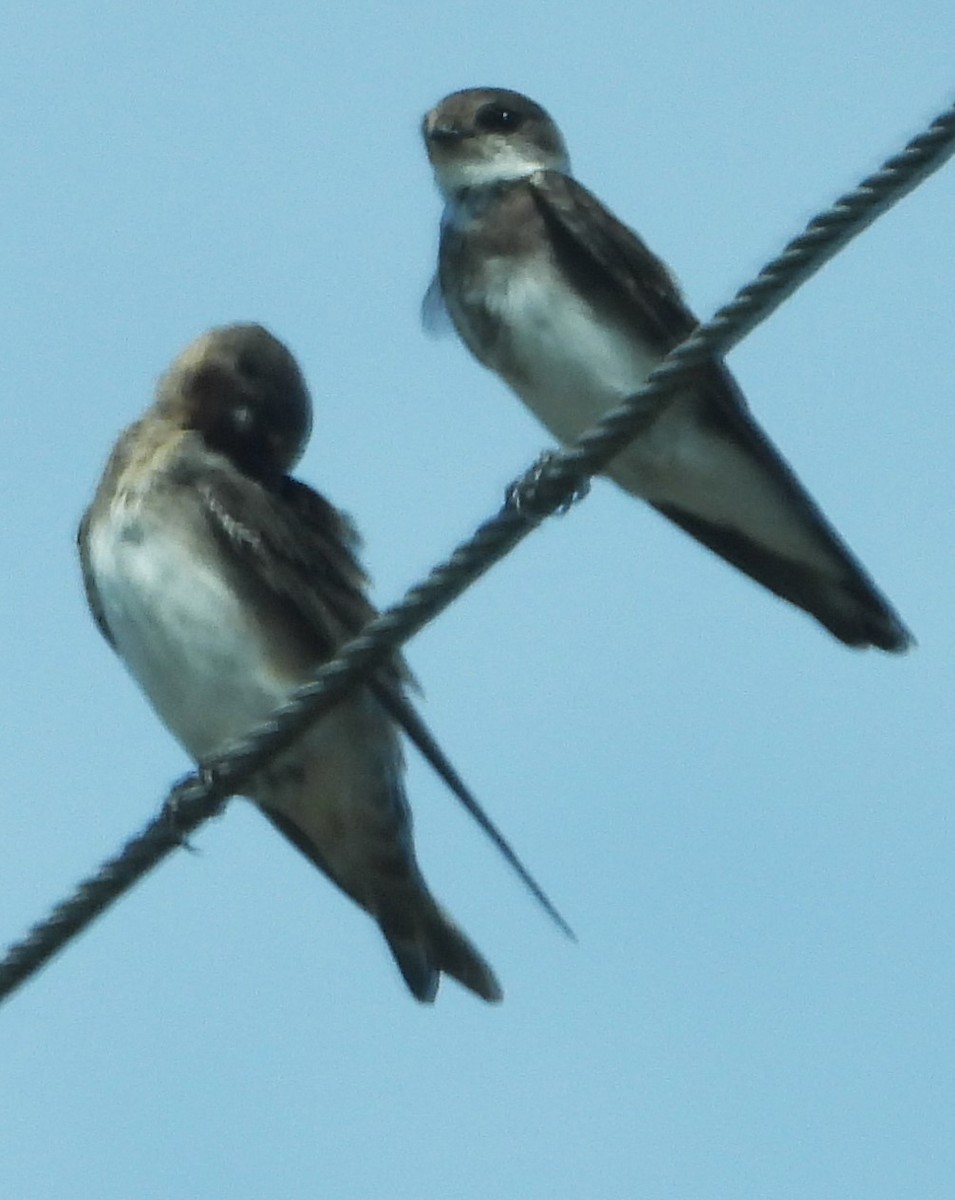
181,799
532,494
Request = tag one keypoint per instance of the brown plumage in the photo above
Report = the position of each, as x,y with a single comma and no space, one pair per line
223,582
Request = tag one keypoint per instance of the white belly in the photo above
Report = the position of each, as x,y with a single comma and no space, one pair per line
570,367
183,634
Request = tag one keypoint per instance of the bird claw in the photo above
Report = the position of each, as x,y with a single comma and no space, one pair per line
203,779
529,494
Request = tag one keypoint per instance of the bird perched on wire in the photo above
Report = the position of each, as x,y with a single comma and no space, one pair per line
222,583
549,290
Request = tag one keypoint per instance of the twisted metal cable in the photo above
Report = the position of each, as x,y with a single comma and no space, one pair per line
552,485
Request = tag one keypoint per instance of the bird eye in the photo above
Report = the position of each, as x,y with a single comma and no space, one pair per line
497,118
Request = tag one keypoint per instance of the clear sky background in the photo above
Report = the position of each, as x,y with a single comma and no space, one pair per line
749,826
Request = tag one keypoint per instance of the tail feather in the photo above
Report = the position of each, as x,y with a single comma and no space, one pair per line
429,944
848,604
424,941
733,491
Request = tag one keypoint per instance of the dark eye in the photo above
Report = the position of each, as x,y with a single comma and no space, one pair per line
497,118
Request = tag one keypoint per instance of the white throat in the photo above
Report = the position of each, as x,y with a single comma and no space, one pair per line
507,163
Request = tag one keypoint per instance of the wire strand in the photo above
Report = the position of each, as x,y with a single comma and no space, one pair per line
552,485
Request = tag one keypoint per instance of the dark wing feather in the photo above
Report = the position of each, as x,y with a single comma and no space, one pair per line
592,243
303,549
89,580
299,547
599,253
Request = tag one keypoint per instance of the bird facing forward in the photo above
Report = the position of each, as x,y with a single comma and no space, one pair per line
549,290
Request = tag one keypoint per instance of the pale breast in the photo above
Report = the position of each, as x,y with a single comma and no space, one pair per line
570,364
193,647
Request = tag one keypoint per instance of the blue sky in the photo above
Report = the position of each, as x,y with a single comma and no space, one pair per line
749,826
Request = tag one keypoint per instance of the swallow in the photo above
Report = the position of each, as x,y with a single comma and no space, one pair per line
569,307
222,582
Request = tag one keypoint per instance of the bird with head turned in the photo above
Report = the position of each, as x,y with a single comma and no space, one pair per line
223,582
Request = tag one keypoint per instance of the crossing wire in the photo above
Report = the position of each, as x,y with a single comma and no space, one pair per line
550,486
